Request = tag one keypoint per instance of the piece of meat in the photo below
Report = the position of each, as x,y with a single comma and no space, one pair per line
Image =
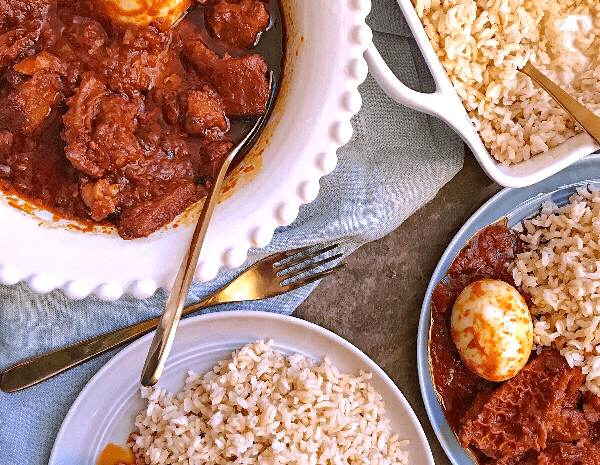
139,61
169,94
36,98
15,43
208,161
101,197
583,452
99,129
237,24
85,45
521,413
570,425
205,113
20,24
89,36
113,140
240,81
166,160
143,218
43,61
78,121
17,12
591,406
204,59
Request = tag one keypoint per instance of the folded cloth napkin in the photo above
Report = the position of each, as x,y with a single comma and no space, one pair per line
396,162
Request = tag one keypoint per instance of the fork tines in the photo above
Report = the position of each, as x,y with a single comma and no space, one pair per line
297,263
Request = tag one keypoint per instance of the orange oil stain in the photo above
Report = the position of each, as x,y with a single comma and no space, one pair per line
115,455
230,186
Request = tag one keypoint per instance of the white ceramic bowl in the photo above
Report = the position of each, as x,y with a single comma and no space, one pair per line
445,104
311,120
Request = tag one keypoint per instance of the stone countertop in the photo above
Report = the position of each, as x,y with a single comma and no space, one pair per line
375,301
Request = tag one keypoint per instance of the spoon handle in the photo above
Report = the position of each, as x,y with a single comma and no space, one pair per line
167,326
37,369
585,117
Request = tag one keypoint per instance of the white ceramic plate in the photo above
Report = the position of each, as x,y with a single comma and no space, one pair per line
516,205
310,121
445,104
105,410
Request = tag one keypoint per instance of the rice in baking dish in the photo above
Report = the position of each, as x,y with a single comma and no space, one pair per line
483,43
561,272
260,407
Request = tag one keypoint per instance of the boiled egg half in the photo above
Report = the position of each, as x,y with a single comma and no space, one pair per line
492,329
143,12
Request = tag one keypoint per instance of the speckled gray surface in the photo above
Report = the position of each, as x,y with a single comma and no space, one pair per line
375,301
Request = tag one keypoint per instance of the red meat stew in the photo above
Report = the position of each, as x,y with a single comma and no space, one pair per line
539,417
127,125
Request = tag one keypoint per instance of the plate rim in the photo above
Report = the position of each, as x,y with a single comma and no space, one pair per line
565,179
304,326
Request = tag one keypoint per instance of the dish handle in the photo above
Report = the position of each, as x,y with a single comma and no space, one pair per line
443,103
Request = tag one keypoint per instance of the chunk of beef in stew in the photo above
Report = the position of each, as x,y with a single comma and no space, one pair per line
120,124
20,28
238,24
537,408
241,81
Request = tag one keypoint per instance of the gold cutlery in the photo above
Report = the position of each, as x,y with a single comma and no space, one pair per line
269,277
167,327
584,117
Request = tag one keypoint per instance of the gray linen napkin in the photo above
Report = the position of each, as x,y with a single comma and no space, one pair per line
396,162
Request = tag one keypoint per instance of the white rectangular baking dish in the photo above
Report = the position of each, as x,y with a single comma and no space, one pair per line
445,104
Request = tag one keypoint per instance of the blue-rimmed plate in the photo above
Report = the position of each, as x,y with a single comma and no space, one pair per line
516,205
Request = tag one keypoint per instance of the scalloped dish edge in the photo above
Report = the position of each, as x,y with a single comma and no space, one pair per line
305,189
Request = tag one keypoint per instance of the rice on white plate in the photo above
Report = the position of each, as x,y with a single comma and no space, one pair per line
482,44
261,407
561,272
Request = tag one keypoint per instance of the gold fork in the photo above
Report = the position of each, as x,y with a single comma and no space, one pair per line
269,277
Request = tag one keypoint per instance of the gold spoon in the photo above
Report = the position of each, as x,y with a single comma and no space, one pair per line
584,117
165,332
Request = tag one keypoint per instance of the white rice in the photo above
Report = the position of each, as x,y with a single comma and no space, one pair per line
483,43
561,272
260,407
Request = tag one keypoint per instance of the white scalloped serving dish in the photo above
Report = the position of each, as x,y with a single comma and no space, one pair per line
445,104
310,121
